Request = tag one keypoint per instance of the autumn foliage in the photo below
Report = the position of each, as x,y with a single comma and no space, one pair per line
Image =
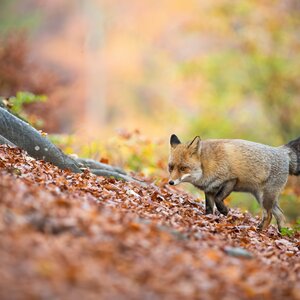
79,236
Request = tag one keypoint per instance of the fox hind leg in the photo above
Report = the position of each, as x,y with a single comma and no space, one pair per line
270,206
266,219
278,214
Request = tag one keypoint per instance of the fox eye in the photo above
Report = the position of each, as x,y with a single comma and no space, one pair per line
183,168
171,168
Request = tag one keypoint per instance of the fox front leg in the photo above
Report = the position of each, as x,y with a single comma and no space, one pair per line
223,192
209,203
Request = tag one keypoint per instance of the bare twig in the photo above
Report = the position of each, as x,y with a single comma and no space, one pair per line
93,164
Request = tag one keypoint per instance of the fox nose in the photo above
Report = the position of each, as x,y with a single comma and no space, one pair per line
171,182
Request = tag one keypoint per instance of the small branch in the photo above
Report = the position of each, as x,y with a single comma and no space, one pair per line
116,175
93,164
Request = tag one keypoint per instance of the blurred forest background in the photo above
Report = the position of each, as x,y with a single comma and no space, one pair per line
120,77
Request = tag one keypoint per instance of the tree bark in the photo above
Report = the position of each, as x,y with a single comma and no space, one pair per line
4,141
33,142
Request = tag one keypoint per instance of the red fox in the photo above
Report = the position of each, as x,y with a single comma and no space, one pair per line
219,167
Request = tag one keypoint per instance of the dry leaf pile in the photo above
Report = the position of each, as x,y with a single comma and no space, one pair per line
79,236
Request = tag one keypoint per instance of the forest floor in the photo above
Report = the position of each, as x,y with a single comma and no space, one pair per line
79,236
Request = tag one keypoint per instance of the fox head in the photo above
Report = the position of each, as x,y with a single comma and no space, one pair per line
184,161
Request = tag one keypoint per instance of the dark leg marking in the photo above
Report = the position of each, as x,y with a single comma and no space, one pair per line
225,190
209,203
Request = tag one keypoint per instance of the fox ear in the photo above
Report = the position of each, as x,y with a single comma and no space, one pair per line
194,145
174,141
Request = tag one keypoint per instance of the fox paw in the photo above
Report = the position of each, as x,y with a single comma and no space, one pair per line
209,211
224,211
260,226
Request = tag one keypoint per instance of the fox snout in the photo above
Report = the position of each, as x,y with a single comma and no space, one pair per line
183,178
174,182
174,178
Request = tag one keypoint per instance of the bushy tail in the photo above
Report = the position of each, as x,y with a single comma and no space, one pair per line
295,156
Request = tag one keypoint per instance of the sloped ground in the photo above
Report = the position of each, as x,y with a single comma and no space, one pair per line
78,236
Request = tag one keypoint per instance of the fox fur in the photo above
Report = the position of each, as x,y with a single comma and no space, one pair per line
221,166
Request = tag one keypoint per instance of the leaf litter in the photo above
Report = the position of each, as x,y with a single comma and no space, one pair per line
79,236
